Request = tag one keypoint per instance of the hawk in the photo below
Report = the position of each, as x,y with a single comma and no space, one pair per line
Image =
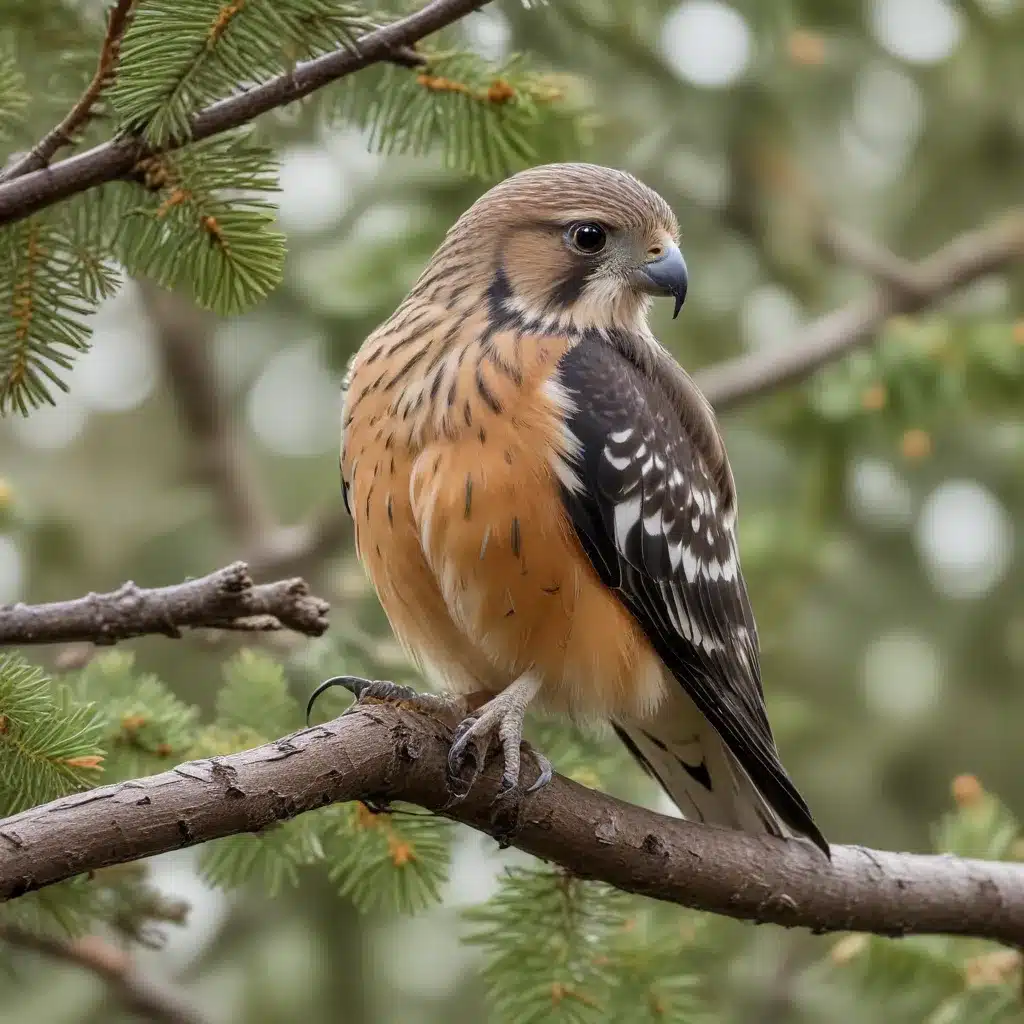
543,501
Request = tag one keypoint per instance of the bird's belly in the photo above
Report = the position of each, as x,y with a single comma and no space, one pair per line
517,585
477,565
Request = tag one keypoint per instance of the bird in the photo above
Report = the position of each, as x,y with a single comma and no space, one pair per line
544,505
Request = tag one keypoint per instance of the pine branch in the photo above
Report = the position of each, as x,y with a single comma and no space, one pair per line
78,116
117,159
225,599
149,997
916,287
381,751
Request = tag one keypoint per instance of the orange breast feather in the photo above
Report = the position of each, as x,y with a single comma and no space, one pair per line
461,528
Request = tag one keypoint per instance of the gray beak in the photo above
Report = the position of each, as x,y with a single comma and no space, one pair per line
666,276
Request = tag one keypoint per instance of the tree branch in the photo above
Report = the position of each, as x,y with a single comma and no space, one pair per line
225,599
150,998
961,261
115,160
846,245
383,751
64,133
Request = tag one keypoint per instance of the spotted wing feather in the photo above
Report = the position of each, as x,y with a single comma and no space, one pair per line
655,527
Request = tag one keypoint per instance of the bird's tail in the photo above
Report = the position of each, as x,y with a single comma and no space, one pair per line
696,769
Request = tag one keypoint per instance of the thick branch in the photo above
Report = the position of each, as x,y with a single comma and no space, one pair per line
78,116
226,599
113,160
963,260
382,751
150,998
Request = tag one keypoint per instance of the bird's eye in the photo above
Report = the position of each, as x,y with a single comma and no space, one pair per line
588,238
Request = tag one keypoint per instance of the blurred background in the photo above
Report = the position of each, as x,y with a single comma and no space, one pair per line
881,501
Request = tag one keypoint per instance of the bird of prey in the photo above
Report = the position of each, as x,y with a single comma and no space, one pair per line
543,501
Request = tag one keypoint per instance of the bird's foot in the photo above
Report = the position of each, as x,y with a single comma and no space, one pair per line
501,718
384,691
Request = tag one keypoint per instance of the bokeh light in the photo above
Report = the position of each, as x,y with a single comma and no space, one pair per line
706,42
965,538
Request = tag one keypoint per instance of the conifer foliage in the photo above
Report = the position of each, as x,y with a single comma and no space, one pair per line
199,216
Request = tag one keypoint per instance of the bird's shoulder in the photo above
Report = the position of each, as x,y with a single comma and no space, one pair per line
637,407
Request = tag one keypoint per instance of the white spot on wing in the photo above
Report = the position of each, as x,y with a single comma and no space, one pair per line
627,515
675,555
616,463
729,567
691,564
621,436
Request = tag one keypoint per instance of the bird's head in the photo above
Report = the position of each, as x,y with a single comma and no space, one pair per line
572,244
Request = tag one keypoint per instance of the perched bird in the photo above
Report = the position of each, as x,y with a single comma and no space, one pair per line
543,501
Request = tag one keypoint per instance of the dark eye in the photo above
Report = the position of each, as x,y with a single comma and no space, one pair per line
588,238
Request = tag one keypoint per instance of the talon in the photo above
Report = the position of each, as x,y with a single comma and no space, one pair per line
546,771
381,689
509,782
354,684
460,747
460,753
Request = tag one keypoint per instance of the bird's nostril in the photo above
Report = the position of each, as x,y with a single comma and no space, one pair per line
655,251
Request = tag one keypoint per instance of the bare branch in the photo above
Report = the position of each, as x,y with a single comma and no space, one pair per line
384,751
115,160
963,260
226,599
149,997
846,245
64,133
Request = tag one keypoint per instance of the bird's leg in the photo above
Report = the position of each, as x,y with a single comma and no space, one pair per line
502,716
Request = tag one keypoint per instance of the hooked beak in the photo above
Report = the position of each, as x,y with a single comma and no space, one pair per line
666,275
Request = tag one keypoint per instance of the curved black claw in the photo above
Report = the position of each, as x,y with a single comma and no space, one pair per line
360,687
543,765
461,755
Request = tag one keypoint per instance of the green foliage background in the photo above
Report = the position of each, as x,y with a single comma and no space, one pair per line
883,683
